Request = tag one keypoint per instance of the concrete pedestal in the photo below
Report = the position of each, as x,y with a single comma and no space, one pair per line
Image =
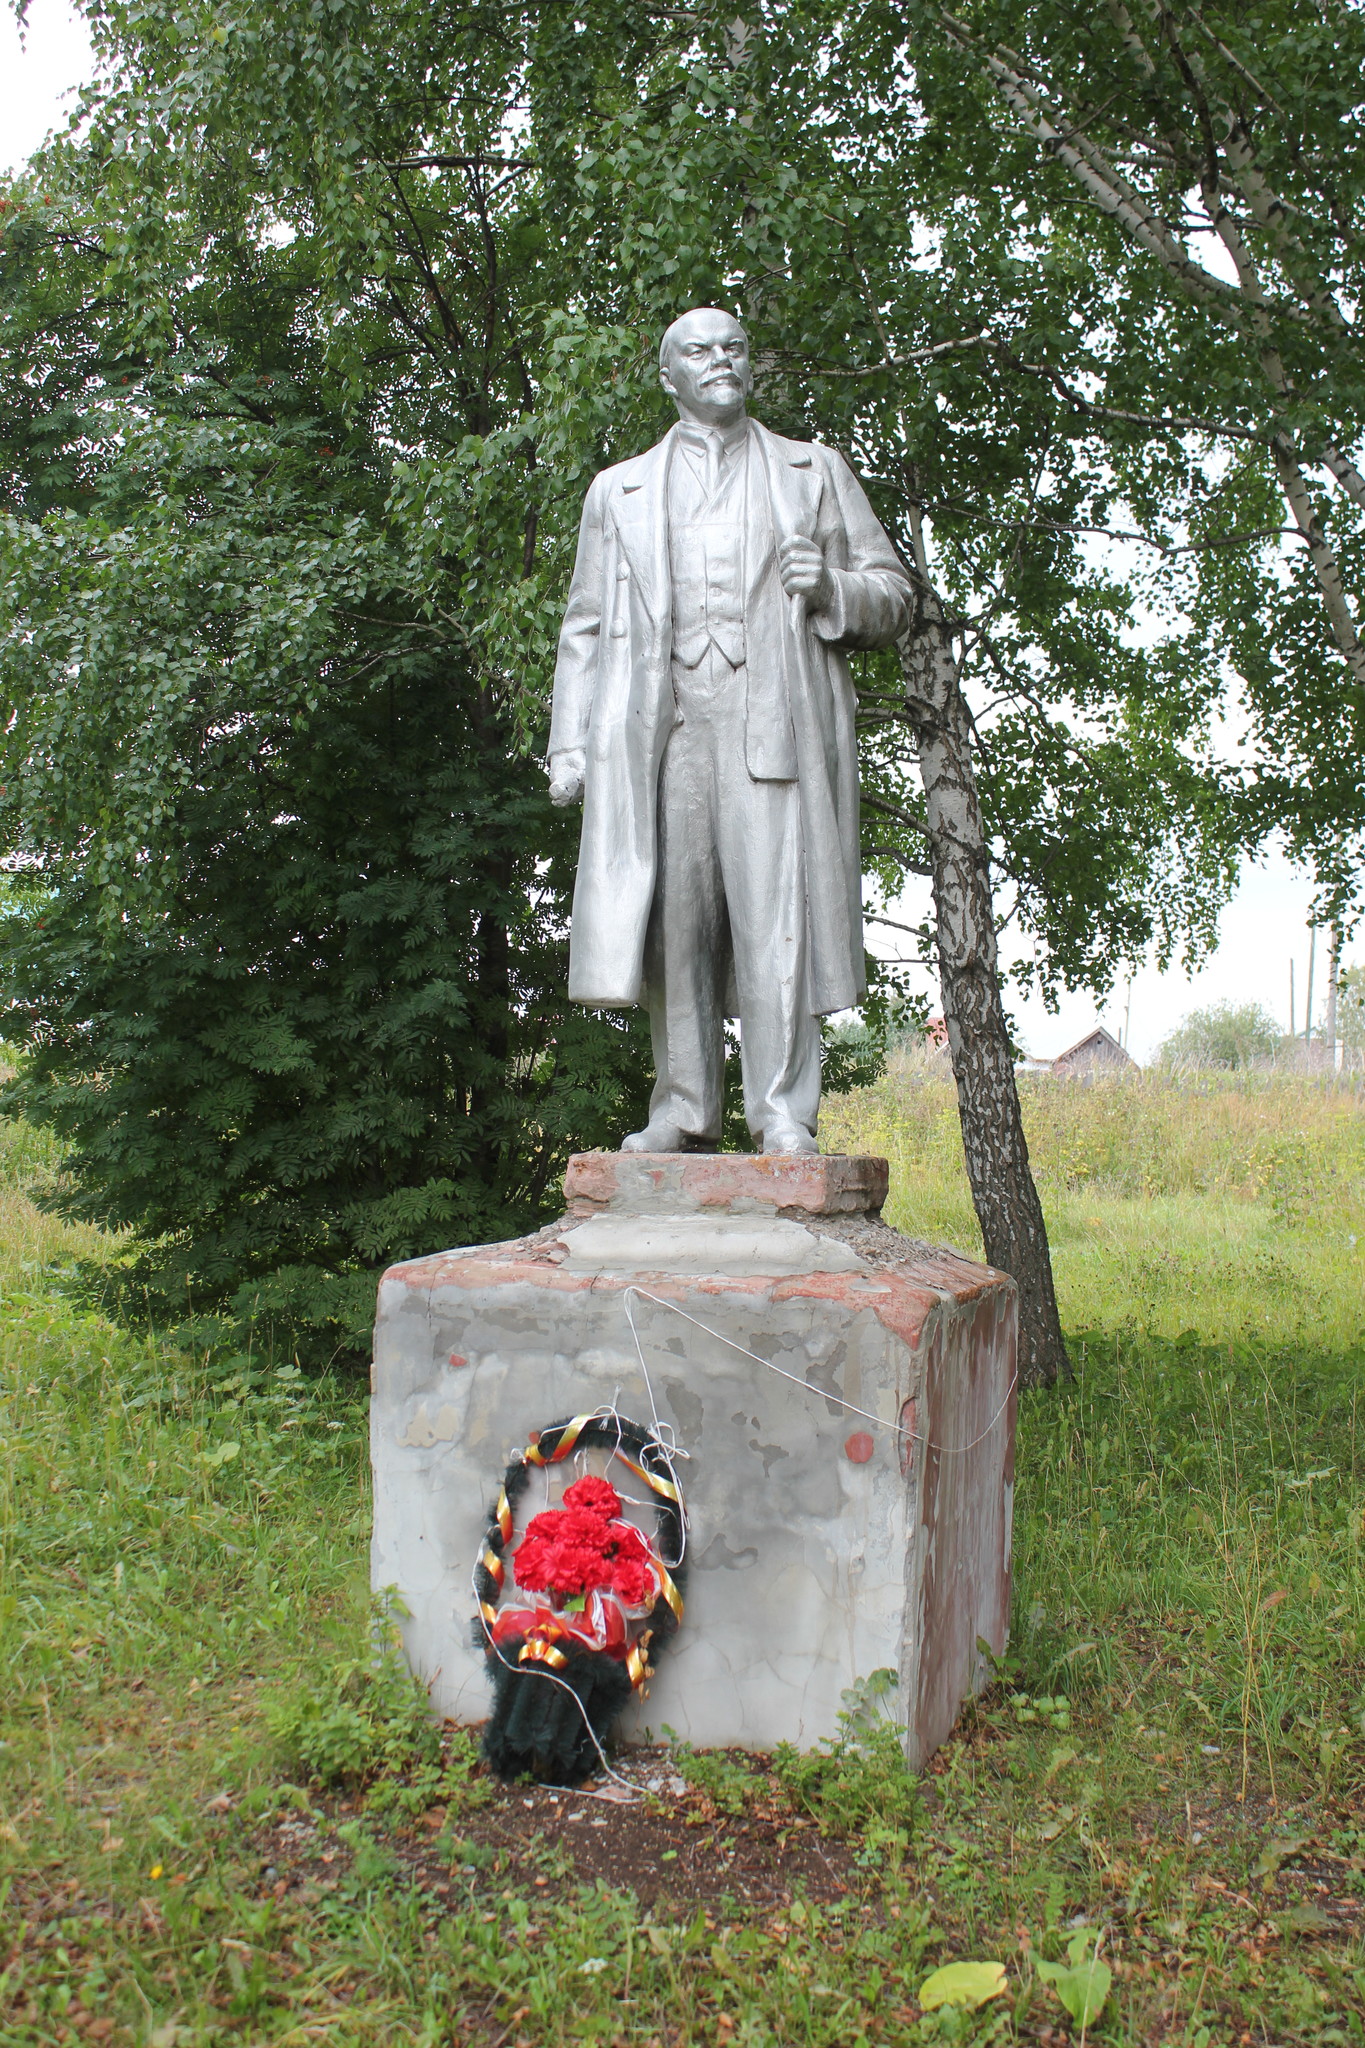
825,1544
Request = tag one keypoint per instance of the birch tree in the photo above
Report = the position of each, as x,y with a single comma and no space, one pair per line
1209,159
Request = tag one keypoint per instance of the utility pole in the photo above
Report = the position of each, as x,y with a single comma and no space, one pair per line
1308,999
1293,1007
1333,979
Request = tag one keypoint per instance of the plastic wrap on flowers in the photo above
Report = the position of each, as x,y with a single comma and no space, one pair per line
592,1601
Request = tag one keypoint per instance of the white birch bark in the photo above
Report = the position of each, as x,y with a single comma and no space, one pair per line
1003,1190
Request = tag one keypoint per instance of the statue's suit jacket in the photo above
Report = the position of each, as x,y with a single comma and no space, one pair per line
613,697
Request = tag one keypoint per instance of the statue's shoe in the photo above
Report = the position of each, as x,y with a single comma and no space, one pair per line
665,1137
789,1138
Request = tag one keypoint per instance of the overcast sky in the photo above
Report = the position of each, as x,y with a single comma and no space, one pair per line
1264,927
53,56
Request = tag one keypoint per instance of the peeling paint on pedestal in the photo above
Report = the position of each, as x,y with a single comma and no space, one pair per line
823,1546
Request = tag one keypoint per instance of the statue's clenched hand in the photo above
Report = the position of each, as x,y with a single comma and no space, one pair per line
566,776
801,565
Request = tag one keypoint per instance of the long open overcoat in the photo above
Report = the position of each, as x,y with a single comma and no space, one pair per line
613,697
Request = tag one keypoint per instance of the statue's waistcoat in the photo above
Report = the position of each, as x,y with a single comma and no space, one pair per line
726,592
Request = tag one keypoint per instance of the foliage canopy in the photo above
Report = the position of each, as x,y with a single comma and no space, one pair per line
314,331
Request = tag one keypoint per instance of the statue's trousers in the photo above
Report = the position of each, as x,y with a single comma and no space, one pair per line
730,896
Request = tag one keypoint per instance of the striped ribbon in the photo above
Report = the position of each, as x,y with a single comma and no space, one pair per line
663,1487
669,1590
569,1436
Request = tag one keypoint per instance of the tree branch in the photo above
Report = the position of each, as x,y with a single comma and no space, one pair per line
1098,177
451,163
916,825
911,867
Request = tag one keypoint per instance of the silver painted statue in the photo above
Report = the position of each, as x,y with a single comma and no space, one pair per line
703,710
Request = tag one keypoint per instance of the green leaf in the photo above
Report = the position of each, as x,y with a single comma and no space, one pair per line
221,1454
963,1984
1082,1987
1307,1918
1279,1850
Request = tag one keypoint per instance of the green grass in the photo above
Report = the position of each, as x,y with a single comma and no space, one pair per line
1233,1208
1173,1754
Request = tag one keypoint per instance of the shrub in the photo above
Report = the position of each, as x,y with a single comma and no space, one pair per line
1223,1035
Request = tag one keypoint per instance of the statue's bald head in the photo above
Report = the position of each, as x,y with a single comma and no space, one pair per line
700,319
704,365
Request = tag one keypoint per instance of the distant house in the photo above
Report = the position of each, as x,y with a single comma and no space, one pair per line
1096,1053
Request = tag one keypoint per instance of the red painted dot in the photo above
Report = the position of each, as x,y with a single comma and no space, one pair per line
859,1447
456,1359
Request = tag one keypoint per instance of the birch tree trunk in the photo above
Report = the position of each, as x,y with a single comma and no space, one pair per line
1003,1191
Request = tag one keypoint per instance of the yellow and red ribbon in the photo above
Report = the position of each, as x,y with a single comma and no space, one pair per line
569,1436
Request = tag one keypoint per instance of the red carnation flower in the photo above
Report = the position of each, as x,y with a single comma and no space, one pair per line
582,1548
633,1582
545,1560
597,1496
563,1551
625,1540
582,1526
632,1577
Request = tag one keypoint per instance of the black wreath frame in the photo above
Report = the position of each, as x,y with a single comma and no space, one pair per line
554,1727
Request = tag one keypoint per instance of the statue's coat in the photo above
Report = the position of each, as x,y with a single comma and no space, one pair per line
613,698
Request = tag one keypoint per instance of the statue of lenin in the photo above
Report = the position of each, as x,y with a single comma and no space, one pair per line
703,710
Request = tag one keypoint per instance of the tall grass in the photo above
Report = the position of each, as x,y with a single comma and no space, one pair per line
1232,1206
1191,1512
170,1532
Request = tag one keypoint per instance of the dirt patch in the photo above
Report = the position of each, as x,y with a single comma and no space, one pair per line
666,1841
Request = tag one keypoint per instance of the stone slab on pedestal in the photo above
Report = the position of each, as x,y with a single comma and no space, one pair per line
739,1183
825,1543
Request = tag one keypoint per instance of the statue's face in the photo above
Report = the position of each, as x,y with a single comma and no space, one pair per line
706,368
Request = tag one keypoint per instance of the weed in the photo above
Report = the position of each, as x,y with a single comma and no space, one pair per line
454,1777
358,1719
867,1703
856,1784
1082,1982
727,1783
1054,1711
